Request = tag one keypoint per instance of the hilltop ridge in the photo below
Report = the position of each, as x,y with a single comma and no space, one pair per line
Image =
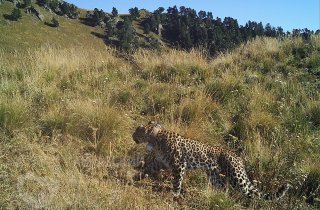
181,28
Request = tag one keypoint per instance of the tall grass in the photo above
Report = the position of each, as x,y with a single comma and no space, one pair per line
67,115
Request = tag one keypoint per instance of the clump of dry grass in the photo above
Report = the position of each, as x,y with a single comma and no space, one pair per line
173,66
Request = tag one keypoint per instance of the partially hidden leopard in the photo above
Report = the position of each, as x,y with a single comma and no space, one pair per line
177,153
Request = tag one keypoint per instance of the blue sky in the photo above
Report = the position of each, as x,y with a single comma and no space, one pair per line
288,14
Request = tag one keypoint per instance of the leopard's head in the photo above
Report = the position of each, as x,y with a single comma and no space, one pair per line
145,133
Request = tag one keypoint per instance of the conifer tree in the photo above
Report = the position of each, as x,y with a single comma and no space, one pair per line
134,12
114,12
126,35
26,3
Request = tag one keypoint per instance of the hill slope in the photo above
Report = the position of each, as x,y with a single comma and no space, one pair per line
30,32
67,115
69,104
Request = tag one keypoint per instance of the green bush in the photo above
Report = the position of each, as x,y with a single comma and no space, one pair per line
15,14
55,22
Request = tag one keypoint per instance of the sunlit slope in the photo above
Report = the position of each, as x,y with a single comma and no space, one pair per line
31,32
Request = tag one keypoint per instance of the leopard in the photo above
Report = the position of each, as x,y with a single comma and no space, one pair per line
177,153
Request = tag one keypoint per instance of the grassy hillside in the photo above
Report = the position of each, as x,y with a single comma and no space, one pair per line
67,115
31,32
69,104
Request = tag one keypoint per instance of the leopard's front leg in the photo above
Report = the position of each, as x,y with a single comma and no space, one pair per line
152,166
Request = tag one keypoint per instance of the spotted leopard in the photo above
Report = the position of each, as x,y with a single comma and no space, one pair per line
178,154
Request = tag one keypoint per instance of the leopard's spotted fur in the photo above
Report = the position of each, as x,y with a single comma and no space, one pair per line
178,154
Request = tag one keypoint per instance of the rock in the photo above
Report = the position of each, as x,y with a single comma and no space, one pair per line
35,12
41,17
160,28
15,2
102,24
116,20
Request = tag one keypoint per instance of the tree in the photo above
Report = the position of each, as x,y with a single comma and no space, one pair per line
280,32
65,8
73,11
110,29
135,13
154,23
269,30
97,17
146,28
54,5
202,14
15,14
160,10
26,3
126,35
114,12
296,32
259,29
306,33
209,16
42,2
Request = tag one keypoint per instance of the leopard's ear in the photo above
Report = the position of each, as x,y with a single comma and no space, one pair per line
156,129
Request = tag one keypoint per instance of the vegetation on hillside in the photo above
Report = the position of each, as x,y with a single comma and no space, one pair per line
67,115
185,28
182,28
69,104
29,32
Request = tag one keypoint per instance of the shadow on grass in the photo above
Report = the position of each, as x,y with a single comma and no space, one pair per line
9,17
99,35
50,25
86,21
105,39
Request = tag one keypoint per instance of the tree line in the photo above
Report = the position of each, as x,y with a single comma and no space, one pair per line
184,28
60,8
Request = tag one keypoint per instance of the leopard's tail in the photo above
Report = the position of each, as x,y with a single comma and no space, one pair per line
278,194
252,191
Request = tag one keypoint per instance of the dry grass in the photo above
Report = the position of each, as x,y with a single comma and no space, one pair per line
67,114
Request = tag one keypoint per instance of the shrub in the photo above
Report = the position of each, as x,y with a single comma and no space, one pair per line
55,22
27,3
15,14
